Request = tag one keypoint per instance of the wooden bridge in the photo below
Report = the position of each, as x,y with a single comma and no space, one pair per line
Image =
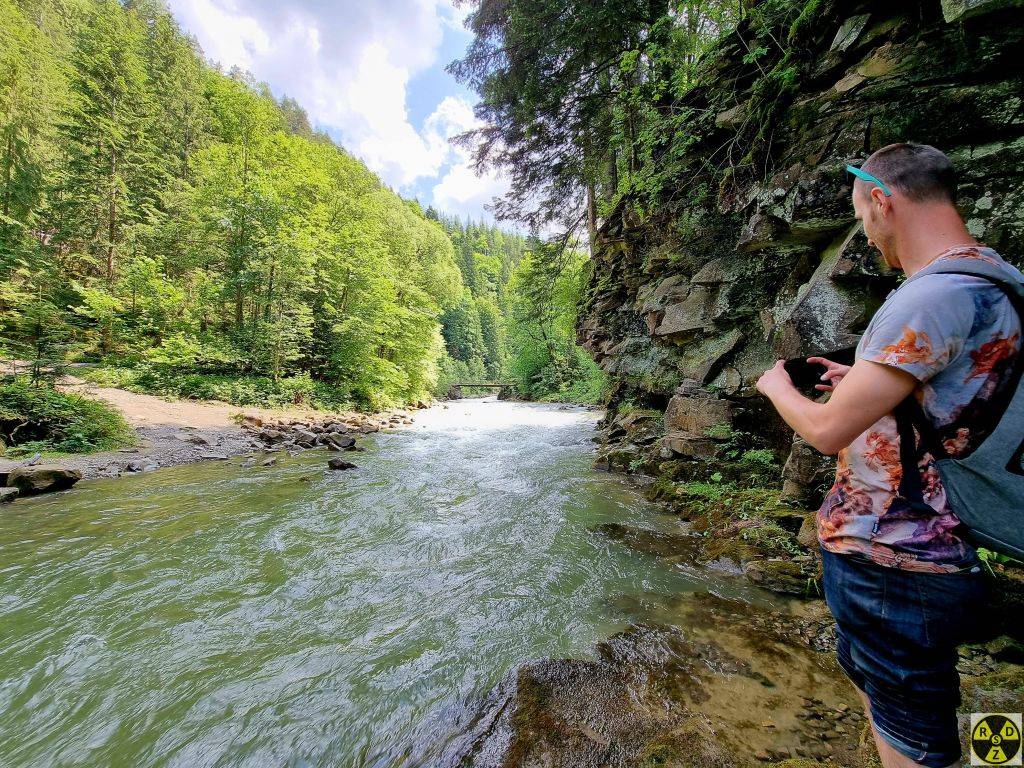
504,389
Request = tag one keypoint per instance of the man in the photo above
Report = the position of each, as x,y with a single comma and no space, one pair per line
900,581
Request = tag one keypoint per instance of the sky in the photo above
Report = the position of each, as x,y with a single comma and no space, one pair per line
368,72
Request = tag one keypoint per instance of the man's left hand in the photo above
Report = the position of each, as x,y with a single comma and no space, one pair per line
774,379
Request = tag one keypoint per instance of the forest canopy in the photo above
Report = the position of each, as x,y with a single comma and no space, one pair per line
194,235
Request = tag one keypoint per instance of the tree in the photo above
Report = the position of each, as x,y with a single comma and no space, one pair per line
110,174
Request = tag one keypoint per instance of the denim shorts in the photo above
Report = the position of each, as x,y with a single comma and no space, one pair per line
897,634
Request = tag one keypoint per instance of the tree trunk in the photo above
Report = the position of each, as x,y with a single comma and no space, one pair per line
8,173
112,217
591,215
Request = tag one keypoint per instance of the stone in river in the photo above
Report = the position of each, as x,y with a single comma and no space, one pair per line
43,478
337,442
340,464
7,495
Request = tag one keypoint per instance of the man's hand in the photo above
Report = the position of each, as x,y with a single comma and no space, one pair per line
834,373
774,379
868,392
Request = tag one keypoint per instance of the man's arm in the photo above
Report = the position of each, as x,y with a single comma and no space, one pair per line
867,393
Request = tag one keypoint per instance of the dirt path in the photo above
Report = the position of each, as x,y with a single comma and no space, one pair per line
170,432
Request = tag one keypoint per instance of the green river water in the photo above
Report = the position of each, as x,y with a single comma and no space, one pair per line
215,615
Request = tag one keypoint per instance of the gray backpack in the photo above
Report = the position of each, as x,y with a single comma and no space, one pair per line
986,488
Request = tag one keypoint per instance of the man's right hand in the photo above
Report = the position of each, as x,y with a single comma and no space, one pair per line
834,373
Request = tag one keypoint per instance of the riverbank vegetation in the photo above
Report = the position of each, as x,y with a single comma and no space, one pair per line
40,419
192,234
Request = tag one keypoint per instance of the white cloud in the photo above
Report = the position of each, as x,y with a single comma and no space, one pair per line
464,192
349,63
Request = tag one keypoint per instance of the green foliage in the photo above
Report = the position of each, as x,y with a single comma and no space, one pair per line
159,211
990,558
545,362
578,98
38,418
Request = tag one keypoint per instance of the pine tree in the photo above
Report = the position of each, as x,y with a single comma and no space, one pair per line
111,171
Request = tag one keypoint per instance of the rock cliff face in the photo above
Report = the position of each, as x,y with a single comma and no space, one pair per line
688,308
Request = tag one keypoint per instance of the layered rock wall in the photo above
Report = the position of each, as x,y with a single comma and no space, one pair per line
687,308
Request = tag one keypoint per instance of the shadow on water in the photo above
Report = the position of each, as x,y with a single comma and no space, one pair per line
212,615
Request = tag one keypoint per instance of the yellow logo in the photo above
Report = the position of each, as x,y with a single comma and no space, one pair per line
995,739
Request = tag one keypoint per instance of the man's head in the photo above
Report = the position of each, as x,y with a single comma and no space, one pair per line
922,184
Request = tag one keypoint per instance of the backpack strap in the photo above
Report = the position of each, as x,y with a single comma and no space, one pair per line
910,415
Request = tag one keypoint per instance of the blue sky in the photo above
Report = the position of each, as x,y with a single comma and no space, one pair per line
370,73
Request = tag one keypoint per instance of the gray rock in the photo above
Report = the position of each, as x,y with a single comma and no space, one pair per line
337,442
776,575
337,464
692,314
696,415
141,465
304,438
849,32
44,478
7,495
957,10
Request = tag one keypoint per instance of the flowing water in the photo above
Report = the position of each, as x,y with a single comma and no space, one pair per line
215,615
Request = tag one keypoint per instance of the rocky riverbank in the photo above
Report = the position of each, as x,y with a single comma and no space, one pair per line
171,433
702,681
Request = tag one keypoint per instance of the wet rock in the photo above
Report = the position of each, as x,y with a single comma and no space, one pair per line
337,442
339,464
651,542
7,495
304,438
269,461
141,465
42,478
776,575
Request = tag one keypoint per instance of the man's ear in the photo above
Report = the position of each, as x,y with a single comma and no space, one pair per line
880,200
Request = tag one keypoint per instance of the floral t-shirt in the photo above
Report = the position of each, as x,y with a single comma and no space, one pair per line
959,336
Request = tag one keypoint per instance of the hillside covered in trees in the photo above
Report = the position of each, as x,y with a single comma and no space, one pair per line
192,233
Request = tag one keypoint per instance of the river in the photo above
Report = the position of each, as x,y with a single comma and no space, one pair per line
216,615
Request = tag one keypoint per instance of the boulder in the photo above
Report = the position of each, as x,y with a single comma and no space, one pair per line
337,442
688,445
304,438
44,478
808,534
337,463
956,10
696,414
272,436
806,473
141,465
7,495
694,313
